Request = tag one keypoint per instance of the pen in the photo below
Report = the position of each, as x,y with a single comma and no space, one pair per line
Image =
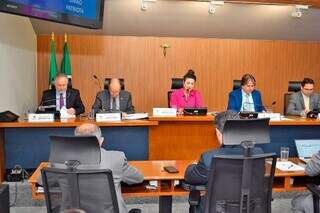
290,166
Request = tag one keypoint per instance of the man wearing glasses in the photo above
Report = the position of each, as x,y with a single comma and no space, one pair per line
305,100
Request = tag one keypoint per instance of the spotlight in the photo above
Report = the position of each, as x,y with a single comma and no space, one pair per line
297,10
144,6
212,6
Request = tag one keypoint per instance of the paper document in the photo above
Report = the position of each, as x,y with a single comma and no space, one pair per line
135,116
64,113
288,166
286,119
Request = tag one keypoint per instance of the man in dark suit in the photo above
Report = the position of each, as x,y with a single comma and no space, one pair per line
62,96
246,98
198,173
113,99
305,100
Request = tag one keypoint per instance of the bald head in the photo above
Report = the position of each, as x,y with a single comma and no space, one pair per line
89,129
114,87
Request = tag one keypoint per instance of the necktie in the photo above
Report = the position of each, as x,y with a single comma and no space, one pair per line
114,104
248,106
61,101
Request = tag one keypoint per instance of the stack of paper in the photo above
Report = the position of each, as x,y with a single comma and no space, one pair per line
288,166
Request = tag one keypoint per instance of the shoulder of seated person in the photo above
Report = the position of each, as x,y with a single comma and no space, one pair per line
113,152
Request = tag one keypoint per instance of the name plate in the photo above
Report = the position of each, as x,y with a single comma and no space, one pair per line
169,112
272,116
43,117
105,117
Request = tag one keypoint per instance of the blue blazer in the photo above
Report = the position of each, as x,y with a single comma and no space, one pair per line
235,100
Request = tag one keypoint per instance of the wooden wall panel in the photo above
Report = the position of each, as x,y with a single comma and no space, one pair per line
217,62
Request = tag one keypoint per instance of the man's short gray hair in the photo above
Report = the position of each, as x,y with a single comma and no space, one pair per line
88,129
221,118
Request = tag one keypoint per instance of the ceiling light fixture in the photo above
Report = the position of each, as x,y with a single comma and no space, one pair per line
144,6
212,6
297,10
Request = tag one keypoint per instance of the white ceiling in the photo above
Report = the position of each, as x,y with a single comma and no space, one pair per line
191,19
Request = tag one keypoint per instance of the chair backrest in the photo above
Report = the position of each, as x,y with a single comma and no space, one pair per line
107,83
236,84
176,83
238,182
4,198
85,149
294,86
89,190
286,99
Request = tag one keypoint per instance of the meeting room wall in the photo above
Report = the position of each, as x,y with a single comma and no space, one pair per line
18,52
148,72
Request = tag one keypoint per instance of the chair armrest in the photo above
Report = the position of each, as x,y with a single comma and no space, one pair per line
190,187
315,189
194,196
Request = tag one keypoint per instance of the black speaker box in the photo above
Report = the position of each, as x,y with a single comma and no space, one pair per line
8,116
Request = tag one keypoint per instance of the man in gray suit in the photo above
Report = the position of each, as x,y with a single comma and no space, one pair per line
115,161
305,100
113,99
303,203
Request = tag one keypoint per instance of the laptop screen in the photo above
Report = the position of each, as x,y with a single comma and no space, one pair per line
307,147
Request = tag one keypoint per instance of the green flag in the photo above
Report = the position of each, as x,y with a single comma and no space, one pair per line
65,63
53,64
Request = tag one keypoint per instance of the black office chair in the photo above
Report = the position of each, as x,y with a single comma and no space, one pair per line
236,84
4,198
293,86
235,183
107,83
315,190
176,83
89,190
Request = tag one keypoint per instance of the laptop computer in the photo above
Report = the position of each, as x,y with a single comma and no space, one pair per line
195,111
306,148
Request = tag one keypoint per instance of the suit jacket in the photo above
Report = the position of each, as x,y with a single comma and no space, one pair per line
102,102
296,103
197,174
122,172
304,202
73,100
235,100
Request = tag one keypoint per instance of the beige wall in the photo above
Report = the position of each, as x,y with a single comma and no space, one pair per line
18,46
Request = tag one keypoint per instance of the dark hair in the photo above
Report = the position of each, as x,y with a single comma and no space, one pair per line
190,74
306,81
221,118
247,77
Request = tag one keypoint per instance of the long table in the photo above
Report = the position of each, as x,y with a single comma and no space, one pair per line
167,185
27,143
159,138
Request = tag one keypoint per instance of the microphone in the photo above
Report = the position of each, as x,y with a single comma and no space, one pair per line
41,106
258,105
98,80
266,107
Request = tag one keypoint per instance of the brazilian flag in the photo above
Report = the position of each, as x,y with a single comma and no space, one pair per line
53,63
65,63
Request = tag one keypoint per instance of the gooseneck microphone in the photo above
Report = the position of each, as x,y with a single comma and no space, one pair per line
42,107
98,80
268,106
